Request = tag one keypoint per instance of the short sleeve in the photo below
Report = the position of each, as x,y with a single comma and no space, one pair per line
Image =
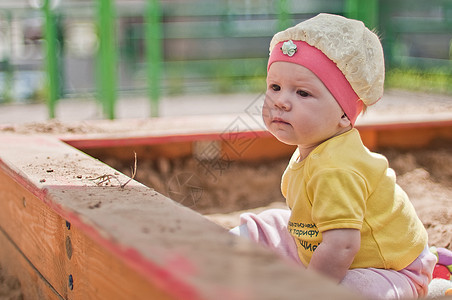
338,199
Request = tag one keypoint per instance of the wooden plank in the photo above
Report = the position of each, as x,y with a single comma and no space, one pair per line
43,241
130,241
99,273
152,151
34,230
410,132
369,137
17,266
255,148
414,138
244,138
51,250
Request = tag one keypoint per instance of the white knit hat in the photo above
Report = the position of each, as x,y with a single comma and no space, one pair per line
356,51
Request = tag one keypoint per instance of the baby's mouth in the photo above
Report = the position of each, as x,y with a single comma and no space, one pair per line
279,121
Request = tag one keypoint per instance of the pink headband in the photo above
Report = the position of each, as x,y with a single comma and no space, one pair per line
325,69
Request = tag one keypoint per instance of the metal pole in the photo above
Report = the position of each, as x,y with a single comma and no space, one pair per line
51,58
6,67
283,15
153,53
386,28
364,10
106,57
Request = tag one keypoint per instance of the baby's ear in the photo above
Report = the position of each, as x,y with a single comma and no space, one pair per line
344,121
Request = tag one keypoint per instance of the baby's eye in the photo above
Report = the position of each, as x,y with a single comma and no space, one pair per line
275,87
303,93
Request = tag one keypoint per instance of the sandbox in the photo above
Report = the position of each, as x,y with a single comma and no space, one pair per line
73,226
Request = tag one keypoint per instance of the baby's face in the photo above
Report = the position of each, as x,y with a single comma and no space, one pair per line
299,109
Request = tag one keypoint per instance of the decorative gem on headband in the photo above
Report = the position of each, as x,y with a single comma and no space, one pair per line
289,48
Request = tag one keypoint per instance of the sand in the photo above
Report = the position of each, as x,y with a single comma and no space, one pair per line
222,193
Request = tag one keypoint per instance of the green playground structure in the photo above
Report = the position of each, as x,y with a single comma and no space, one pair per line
165,40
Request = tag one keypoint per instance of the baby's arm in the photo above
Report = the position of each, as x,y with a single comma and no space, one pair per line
336,252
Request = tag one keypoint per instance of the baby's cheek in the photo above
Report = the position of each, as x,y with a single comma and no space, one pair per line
266,112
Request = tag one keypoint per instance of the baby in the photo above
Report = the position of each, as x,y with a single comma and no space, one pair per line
348,218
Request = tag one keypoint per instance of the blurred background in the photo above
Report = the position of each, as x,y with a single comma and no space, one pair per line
105,50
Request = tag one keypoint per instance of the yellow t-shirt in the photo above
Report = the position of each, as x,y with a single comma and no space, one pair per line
341,184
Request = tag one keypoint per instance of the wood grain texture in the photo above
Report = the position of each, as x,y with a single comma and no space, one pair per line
16,265
34,229
40,242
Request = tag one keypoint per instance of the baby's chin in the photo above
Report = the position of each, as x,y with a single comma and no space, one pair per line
284,139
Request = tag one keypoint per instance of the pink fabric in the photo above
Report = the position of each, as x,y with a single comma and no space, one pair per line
409,283
269,228
327,71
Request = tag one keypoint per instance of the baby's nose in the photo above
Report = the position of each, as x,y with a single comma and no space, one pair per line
282,103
